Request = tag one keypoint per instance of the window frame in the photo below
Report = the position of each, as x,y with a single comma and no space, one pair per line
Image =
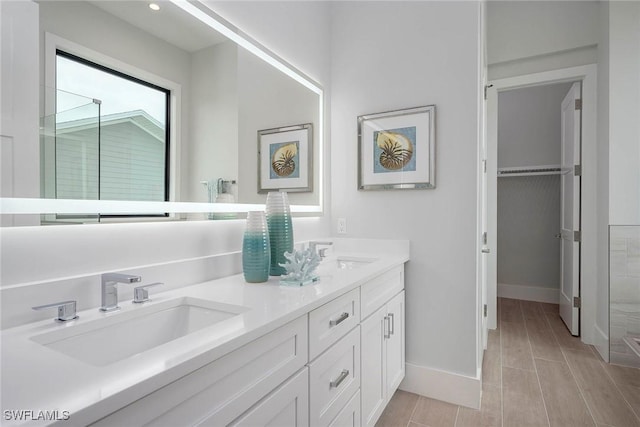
167,97
54,43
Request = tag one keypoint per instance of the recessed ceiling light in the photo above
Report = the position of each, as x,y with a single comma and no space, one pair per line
154,6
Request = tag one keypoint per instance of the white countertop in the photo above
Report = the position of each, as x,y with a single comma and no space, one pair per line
37,378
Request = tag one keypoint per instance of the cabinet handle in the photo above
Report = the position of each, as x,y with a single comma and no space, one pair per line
335,383
387,327
342,318
392,327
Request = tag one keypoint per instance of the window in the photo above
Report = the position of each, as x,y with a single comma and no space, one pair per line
112,134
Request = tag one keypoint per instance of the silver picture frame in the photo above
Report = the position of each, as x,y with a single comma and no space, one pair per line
396,149
285,159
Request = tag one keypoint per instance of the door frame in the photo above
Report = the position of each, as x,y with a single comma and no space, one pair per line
587,74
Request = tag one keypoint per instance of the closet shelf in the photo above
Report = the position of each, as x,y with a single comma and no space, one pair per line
530,171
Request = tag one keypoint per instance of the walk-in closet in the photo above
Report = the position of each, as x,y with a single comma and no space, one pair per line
530,178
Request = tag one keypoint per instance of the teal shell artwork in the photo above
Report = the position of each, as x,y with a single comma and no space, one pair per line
396,150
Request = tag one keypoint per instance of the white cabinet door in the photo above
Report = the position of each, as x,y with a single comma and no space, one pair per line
382,361
287,406
373,361
395,343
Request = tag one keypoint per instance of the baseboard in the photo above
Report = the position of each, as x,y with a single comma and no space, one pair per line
446,386
601,343
625,359
529,293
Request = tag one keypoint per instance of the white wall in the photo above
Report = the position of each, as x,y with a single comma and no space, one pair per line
19,130
528,219
32,254
213,119
393,55
529,125
624,113
96,29
295,31
525,37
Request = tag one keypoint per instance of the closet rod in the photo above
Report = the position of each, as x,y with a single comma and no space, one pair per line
530,171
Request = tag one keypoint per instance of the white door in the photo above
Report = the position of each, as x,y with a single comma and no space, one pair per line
484,224
491,177
373,380
484,212
395,343
570,211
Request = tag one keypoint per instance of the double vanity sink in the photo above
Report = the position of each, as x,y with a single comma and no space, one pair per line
103,361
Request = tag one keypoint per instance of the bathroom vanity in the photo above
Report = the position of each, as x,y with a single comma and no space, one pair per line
225,352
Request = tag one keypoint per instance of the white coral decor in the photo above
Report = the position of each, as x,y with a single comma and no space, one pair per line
300,267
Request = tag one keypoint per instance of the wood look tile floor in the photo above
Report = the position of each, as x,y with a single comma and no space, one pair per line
534,374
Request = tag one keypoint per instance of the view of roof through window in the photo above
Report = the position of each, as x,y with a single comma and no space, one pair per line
114,149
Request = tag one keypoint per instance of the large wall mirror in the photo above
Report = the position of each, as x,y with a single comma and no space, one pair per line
165,113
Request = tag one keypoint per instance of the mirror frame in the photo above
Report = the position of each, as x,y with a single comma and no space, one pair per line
204,14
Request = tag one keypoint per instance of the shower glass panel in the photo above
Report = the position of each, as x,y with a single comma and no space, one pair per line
69,153
70,143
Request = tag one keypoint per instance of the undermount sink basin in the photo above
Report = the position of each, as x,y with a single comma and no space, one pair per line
125,334
350,263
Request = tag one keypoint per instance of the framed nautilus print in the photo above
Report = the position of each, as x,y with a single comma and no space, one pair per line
285,159
396,149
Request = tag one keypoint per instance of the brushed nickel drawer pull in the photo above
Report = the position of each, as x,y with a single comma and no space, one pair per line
335,383
387,327
343,317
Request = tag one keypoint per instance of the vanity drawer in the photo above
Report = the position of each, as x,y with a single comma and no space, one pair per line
334,378
219,392
376,292
350,414
330,322
288,406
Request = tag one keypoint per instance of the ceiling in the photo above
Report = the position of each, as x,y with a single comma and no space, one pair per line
170,23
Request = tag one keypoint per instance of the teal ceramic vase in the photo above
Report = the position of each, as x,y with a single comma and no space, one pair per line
256,252
280,230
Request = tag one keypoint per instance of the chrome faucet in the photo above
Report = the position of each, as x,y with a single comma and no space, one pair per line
313,245
110,291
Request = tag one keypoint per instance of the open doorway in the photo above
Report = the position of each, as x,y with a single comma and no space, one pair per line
538,187
585,268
